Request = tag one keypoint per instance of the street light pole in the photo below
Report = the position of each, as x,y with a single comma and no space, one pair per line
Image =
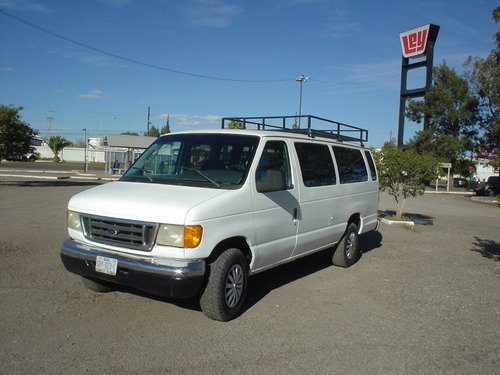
301,79
103,121
85,154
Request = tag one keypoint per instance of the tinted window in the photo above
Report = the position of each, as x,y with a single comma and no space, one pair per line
273,162
316,164
371,164
351,165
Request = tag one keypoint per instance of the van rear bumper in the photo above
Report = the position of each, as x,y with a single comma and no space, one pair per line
171,278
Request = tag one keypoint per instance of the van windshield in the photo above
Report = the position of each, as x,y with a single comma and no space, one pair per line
208,160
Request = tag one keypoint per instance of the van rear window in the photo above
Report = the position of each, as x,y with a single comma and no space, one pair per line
371,164
316,164
351,165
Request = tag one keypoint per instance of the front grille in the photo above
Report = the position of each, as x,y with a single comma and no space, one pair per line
130,234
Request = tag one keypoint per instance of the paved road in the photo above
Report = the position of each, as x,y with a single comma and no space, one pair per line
420,301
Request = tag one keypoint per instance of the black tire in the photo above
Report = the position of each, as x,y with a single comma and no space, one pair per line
490,193
97,286
347,250
226,287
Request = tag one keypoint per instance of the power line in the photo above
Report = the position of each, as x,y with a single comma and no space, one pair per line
132,61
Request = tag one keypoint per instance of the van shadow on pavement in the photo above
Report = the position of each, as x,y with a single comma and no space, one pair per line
264,283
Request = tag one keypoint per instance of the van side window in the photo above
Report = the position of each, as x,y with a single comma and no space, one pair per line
316,164
371,164
352,167
273,172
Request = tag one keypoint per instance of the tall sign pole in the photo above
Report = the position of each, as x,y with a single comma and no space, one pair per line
415,43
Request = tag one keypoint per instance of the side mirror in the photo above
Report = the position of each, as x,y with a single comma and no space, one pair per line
270,180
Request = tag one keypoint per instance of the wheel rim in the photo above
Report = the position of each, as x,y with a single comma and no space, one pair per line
350,245
234,285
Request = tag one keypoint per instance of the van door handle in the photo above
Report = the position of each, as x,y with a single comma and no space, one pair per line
295,212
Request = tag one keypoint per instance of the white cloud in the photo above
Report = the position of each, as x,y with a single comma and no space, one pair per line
364,77
90,58
117,3
186,120
212,13
25,5
94,94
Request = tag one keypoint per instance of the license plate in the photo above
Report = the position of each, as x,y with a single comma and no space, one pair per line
106,265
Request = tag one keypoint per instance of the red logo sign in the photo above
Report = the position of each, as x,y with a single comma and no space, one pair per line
414,42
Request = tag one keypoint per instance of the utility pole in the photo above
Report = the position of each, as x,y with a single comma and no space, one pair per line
49,122
149,122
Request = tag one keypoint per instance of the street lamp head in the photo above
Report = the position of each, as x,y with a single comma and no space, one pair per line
302,79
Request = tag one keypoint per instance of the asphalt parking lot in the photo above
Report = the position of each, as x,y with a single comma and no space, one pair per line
419,301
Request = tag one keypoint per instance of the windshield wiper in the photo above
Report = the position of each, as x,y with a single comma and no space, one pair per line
215,183
144,173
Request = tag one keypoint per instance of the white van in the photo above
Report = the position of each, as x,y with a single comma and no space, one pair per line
200,211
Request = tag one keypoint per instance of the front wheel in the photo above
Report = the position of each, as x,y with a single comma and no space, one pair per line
347,250
225,291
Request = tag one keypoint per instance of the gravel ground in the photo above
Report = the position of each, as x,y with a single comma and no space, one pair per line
419,301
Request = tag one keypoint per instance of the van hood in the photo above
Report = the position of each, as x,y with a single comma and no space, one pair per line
155,203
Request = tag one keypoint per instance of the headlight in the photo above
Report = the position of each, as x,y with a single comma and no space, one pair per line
73,221
179,235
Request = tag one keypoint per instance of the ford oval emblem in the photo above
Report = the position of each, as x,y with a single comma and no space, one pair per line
112,231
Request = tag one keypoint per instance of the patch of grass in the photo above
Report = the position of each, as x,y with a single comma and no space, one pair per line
410,228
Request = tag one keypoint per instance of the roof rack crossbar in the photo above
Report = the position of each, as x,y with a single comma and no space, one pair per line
335,130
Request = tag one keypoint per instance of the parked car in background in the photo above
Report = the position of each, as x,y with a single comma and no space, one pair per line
490,188
473,185
30,156
460,182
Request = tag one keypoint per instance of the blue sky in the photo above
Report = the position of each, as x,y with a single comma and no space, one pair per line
99,64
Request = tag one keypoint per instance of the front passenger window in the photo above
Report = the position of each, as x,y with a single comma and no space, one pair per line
273,172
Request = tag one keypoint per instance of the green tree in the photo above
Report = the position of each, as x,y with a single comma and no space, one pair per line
484,77
15,134
130,133
166,128
56,144
451,112
153,132
236,125
403,172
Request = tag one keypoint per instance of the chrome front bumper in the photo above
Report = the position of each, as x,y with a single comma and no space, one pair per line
172,278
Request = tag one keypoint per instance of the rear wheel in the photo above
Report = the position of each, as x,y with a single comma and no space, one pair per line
225,291
347,251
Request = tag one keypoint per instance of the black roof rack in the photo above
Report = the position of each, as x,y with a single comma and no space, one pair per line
335,130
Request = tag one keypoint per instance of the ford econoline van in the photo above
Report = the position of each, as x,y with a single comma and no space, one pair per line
201,211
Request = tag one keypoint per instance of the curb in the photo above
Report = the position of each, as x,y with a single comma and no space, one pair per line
464,193
45,175
484,200
397,222
38,177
